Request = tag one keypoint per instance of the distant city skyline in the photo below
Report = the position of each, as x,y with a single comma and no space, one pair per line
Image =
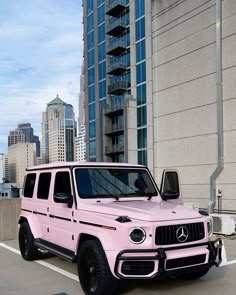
40,56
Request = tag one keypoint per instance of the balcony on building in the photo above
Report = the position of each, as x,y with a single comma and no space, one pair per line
115,7
114,149
118,88
117,26
114,129
117,47
114,109
117,68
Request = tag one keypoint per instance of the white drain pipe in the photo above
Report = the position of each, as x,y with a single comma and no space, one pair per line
220,160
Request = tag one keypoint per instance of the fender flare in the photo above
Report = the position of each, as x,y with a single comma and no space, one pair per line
33,224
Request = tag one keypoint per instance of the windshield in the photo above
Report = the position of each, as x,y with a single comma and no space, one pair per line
113,183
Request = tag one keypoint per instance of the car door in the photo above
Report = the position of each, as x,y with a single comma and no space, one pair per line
41,206
62,233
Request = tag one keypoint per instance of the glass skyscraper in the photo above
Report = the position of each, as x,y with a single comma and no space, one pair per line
115,46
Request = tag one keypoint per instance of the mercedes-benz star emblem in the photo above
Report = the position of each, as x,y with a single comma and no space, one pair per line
182,234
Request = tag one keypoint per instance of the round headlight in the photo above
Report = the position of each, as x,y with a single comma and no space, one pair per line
209,227
137,235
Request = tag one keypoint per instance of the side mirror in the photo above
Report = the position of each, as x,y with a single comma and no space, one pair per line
170,185
63,198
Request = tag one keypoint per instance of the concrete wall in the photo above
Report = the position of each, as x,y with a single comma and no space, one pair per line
9,214
185,119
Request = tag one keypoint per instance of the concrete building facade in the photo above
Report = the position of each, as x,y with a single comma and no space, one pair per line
20,156
58,132
194,66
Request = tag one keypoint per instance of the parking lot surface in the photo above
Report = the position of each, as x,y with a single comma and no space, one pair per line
55,276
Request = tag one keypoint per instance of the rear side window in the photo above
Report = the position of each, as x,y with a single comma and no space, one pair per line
29,185
62,183
44,186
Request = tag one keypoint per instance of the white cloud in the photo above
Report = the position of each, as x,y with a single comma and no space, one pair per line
41,54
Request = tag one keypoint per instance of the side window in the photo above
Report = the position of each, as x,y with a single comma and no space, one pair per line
29,185
62,183
44,186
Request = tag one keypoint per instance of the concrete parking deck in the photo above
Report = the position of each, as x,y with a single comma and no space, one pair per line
54,276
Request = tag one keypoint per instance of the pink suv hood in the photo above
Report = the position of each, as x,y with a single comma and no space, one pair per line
145,210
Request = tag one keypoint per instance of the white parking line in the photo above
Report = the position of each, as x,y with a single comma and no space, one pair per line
41,262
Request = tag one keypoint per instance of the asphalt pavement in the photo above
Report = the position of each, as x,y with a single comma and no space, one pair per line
55,276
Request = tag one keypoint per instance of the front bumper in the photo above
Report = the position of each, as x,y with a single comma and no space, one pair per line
150,263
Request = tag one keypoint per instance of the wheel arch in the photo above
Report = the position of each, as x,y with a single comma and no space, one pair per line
33,224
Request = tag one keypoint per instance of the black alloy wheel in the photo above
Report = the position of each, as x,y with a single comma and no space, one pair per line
93,270
26,243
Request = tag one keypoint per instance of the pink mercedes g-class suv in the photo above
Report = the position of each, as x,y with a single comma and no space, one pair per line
114,222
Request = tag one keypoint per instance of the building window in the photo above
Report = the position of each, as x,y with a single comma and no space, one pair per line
142,138
92,115
91,58
92,129
29,185
101,51
140,29
44,186
91,93
90,24
102,70
101,33
142,157
142,116
140,51
102,89
139,8
90,40
100,2
141,94
101,14
89,6
141,73
92,149
91,76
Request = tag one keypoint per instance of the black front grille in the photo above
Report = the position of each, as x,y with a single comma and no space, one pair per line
185,261
137,267
167,235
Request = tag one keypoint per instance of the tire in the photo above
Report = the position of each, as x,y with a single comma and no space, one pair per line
196,274
93,270
26,243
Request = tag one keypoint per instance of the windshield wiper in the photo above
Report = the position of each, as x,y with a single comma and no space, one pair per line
107,196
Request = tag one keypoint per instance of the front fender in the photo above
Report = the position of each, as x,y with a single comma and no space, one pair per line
33,223
104,237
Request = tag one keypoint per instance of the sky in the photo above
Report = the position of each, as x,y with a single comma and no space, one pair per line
41,53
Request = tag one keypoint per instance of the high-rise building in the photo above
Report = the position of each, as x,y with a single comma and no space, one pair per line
175,60
80,140
24,133
117,37
58,132
81,145
20,156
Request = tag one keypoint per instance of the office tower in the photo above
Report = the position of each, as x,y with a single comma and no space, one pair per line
58,132
80,140
24,133
20,156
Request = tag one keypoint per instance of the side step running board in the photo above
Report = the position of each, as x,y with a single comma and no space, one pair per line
56,250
